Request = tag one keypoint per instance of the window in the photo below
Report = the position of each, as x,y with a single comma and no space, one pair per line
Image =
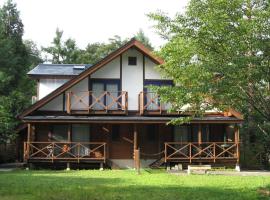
151,133
132,60
99,87
59,133
115,133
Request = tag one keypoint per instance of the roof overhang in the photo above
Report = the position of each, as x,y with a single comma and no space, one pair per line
125,119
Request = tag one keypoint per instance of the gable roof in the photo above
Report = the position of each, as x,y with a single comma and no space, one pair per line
132,43
57,70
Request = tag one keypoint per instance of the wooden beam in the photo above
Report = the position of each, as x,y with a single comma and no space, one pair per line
135,137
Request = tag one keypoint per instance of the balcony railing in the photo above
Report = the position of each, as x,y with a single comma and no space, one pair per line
210,151
65,151
149,102
97,102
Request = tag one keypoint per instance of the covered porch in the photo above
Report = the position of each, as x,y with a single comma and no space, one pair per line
114,141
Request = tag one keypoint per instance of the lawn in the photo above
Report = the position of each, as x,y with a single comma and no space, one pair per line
125,184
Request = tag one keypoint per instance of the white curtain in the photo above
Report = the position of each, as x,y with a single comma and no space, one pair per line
113,90
98,89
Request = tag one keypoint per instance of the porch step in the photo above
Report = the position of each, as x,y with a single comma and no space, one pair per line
157,163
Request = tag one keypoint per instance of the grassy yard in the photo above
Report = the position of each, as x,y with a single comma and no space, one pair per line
125,184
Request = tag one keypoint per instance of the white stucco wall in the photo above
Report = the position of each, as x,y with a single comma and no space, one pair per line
110,70
132,78
79,90
150,70
46,86
55,105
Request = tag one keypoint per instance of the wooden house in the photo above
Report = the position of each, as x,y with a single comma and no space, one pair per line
103,113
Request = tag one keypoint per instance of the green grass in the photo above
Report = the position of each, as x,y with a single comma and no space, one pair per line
125,184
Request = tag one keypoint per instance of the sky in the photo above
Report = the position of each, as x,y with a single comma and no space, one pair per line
89,21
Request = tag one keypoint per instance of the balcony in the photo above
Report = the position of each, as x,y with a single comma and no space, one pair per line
150,104
90,102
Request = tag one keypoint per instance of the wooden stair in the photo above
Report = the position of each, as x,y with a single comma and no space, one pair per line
157,163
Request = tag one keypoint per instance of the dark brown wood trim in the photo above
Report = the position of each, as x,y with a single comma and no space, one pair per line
127,122
121,72
143,70
64,101
95,67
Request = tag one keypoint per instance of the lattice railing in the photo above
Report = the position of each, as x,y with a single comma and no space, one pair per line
191,151
97,101
65,151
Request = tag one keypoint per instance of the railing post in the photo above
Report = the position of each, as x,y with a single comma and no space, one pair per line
68,103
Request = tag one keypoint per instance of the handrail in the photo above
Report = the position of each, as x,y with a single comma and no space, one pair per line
90,101
201,150
150,101
65,151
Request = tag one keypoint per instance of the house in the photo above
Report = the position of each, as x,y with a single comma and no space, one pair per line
105,112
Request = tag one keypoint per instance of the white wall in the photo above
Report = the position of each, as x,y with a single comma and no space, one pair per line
110,70
46,86
150,70
79,90
55,105
132,77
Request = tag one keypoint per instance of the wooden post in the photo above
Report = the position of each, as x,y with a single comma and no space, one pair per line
135,144
200,134
137,160
135,137
236,141
28,139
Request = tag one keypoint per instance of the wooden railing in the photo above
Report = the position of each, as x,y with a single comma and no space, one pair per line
210,151
90,101
150,102
69,151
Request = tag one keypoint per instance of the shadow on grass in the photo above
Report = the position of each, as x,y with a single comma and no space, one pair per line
42,185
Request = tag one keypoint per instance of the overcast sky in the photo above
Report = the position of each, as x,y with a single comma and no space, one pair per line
91,20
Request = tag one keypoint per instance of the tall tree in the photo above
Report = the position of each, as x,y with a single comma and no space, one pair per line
15,89
140,35
218,56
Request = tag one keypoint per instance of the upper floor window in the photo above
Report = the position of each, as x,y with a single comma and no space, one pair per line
132,60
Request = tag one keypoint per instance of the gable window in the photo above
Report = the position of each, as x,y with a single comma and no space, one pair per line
115,133
132,60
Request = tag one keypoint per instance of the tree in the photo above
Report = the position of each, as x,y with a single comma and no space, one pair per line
15,89
96,51
218,56
143,39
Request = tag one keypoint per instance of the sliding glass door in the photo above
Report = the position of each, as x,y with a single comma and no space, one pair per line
105,93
